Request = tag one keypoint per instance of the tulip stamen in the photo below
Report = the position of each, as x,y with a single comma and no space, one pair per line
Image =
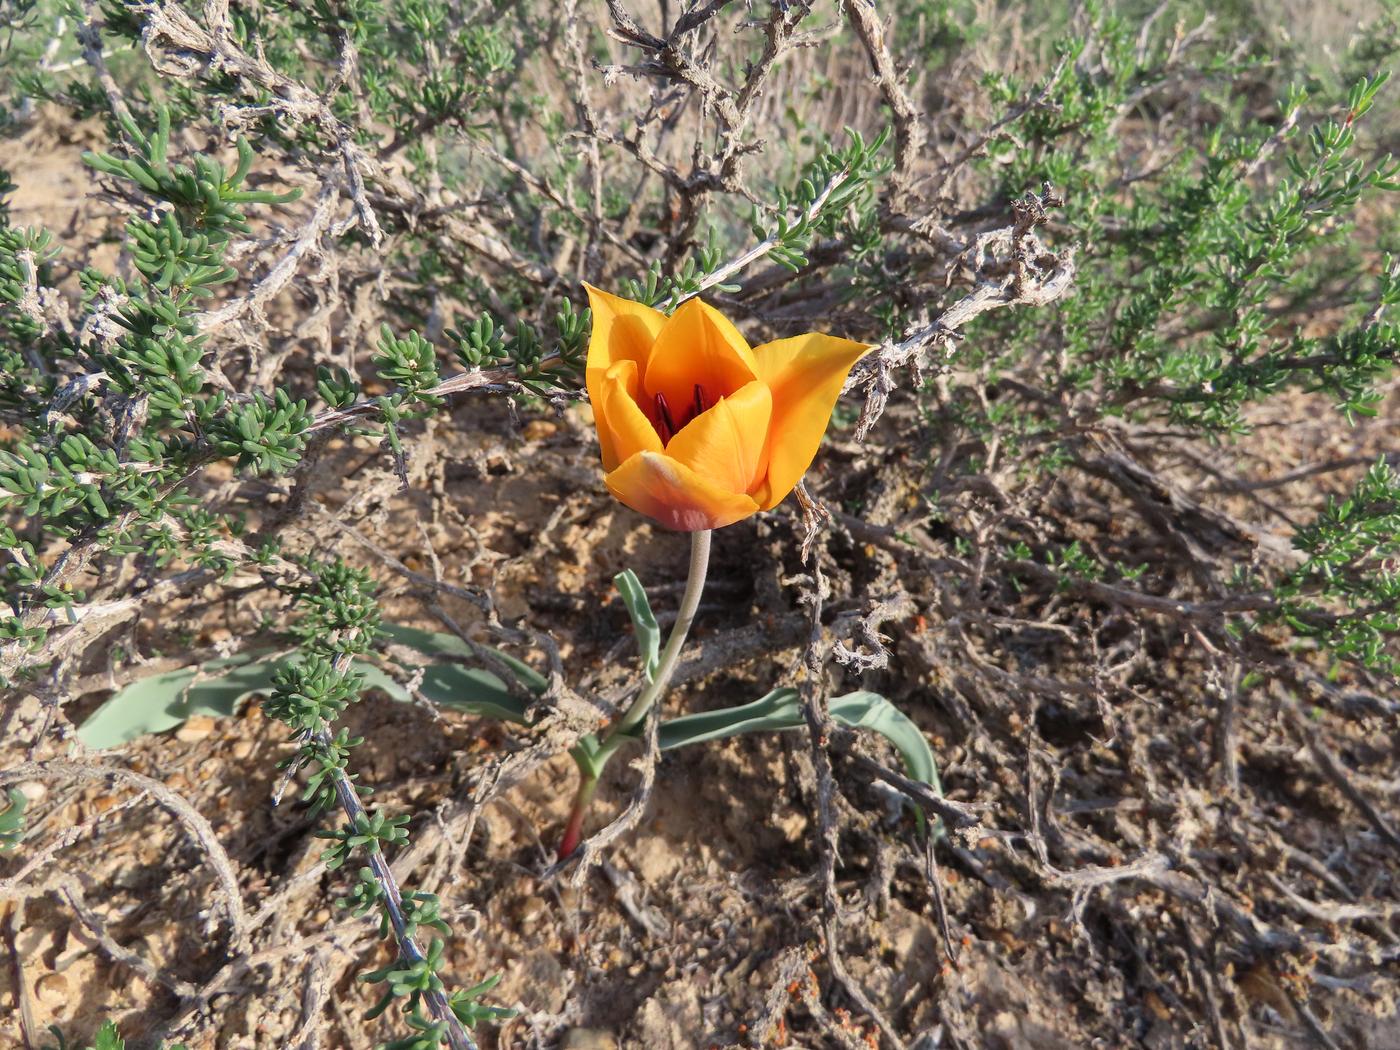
668,424
700,405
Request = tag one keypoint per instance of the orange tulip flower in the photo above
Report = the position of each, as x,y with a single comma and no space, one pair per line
698,430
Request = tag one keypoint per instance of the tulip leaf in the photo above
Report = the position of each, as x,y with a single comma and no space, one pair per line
590,756
472,690
164,701
866,710
12,819
634,596
435,643
781,709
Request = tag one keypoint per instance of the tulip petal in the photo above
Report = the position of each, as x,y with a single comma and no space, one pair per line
622,331
674,495
806,374
700,346
623,428
727,442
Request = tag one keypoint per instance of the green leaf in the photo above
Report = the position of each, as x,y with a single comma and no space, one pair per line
865,710
107,1038
781,709
472,690
634,596
12,819
434,643
590,756
164,701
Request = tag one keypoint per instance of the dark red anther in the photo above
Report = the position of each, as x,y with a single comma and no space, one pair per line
667,423
700,405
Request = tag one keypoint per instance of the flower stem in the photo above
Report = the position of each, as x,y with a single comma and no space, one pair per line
618,734
671,655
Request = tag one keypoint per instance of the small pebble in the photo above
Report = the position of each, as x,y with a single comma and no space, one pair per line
588,1039
195,729
33,790
529,911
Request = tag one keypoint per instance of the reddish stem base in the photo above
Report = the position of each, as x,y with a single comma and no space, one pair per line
573,831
